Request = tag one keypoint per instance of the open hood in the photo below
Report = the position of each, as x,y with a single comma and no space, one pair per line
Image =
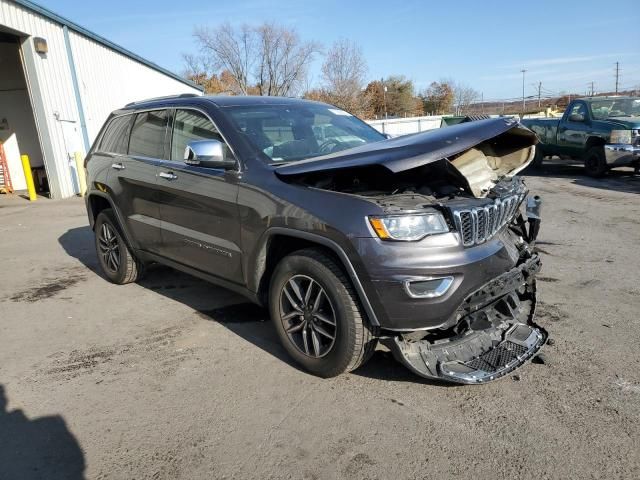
484,152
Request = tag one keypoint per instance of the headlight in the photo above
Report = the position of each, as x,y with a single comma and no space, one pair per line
408,227
620,136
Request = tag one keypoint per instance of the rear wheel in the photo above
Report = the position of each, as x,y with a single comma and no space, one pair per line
116,260
595,163
317,314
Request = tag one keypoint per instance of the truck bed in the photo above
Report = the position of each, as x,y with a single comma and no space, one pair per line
545,128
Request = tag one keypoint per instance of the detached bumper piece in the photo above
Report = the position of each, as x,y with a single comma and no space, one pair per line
495,337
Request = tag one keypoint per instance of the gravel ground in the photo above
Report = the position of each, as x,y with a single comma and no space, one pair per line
175,378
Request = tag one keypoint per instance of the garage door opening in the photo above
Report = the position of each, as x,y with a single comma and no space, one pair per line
18,129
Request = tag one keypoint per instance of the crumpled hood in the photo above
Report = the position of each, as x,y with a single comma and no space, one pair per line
468,146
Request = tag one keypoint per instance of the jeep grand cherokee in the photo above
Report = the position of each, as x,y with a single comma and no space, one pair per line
348,237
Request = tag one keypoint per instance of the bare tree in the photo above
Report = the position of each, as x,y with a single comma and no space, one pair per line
231,49
344,69
268,59
463,95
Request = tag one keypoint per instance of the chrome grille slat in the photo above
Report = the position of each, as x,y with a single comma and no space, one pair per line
477,225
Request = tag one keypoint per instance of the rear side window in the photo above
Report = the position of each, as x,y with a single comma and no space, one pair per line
116,136
148,135
189,126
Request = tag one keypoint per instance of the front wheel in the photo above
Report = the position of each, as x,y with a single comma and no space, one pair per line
317,315
595,162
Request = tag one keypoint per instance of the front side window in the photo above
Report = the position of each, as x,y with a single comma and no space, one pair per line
148,135
288,133
191,126
116,135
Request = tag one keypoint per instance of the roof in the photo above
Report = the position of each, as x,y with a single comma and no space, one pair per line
107,43
218,100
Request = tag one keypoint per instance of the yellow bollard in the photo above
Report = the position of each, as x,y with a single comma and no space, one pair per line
26,166
82,175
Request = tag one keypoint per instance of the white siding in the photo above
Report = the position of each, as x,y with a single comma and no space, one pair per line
107,80
53,75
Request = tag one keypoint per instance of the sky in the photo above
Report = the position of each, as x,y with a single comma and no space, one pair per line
566,45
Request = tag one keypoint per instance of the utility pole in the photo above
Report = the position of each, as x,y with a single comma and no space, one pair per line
539,92
384,96
592,89
523,102
617,75
482,102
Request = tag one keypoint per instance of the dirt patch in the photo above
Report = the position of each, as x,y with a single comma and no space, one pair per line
158,347
49,287
547,279
550,312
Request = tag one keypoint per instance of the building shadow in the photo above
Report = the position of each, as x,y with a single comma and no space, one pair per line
622,179
37,448
246,320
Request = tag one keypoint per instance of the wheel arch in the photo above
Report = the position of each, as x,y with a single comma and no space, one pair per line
594,141
97,202
278,242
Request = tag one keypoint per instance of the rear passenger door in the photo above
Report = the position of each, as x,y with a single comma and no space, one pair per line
133,177
198,206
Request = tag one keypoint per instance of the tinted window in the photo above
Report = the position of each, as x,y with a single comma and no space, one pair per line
189,126
148,134
116,136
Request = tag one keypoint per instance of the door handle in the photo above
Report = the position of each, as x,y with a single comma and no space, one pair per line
117,166
168,175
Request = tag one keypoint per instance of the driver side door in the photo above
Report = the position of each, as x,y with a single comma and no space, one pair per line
200,223
572,135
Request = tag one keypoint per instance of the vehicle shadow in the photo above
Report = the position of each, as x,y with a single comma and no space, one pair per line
622,180
230,310
37,448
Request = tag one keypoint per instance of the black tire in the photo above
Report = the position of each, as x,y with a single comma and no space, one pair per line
538,158
117,262
595,163
354,341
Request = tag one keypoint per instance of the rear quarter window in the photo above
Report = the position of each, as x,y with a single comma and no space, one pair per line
116,135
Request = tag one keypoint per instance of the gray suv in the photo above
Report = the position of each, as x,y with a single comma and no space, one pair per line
421,242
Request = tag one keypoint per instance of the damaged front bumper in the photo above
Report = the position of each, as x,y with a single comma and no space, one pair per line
498,335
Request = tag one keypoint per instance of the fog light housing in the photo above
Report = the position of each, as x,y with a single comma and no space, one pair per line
431,287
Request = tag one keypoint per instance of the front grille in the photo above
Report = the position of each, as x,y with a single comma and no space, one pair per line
478,224
498,357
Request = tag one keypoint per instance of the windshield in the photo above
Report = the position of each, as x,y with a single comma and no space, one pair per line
615,107
288,133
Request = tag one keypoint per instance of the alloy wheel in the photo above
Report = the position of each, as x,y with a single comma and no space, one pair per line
109,247
307,316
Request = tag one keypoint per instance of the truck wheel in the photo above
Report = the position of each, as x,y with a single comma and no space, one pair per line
116,260
595,163
317,314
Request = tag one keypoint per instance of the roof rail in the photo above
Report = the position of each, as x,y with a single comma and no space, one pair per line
166,97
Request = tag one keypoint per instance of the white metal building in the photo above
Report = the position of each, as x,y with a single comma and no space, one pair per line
58,84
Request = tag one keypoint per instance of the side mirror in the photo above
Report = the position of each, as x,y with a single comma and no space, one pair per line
208,154
576,117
